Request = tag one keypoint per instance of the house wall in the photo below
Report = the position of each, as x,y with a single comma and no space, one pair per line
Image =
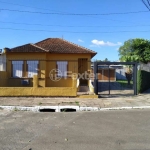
72,67
16,82
47,62
120,74
3,78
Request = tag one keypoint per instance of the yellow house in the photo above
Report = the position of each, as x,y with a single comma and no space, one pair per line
51,67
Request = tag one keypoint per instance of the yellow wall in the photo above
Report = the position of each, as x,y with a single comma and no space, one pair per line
48,91
41,85
61,83
47,62
39,91
3,78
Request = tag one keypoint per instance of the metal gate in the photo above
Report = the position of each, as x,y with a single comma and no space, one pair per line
115,78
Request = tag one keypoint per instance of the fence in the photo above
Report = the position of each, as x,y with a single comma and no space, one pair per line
109,84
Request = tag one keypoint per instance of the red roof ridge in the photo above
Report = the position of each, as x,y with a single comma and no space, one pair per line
38,47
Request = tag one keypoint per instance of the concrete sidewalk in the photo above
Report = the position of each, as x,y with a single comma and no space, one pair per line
141,100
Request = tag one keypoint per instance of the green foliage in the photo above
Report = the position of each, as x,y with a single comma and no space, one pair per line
143,82
135,50
106,60
124,83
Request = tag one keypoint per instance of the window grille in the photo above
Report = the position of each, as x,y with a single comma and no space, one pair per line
17,68
32,68
62,68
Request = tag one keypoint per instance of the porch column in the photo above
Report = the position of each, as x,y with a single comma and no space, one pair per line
35,81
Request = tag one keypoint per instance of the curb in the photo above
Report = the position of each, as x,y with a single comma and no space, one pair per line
60,108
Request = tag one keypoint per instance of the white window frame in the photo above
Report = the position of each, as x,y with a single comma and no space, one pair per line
62,67
32,68
17,71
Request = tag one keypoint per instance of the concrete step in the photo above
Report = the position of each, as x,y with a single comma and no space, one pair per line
85,93
83,89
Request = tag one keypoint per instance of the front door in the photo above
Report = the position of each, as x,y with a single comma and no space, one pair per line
82,68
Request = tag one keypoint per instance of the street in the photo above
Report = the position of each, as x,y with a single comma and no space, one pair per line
103,130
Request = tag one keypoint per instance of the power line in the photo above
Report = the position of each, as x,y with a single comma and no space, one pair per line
71,31
30,6
147,4
73,14
57,11
70,26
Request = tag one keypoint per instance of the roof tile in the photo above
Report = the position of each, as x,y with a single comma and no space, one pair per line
53,45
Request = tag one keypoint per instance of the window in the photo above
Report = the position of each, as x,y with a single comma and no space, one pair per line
17,69
32,68
24,69
62,68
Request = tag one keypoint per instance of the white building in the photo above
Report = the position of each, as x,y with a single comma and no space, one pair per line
2,61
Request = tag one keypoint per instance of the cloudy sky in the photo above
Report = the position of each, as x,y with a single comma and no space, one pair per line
100,25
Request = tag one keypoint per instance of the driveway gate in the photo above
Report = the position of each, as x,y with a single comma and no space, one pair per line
111,78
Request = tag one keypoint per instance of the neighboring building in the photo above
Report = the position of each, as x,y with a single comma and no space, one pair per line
2,61
112,72
145,67
34,65
106,73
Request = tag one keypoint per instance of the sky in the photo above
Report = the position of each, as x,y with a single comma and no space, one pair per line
100,25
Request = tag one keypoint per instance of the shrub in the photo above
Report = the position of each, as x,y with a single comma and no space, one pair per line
143,82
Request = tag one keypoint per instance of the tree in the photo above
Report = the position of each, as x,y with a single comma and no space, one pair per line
135,50
106,60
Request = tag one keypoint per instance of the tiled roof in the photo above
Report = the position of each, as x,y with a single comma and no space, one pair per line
54,45
57,45
27,48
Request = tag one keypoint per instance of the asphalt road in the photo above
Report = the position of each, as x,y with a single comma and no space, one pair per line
104,130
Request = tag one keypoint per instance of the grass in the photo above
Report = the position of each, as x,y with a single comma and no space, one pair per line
124,83
77,103
40,103
16,109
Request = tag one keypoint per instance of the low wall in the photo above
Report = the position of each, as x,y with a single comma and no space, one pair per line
40,91
3,78
51,91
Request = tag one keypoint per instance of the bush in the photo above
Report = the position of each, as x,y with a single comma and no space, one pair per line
143,82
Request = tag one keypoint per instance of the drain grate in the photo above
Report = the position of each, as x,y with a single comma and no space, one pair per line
67,110
47,110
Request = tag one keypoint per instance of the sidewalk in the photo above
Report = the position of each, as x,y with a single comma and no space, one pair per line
141,100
